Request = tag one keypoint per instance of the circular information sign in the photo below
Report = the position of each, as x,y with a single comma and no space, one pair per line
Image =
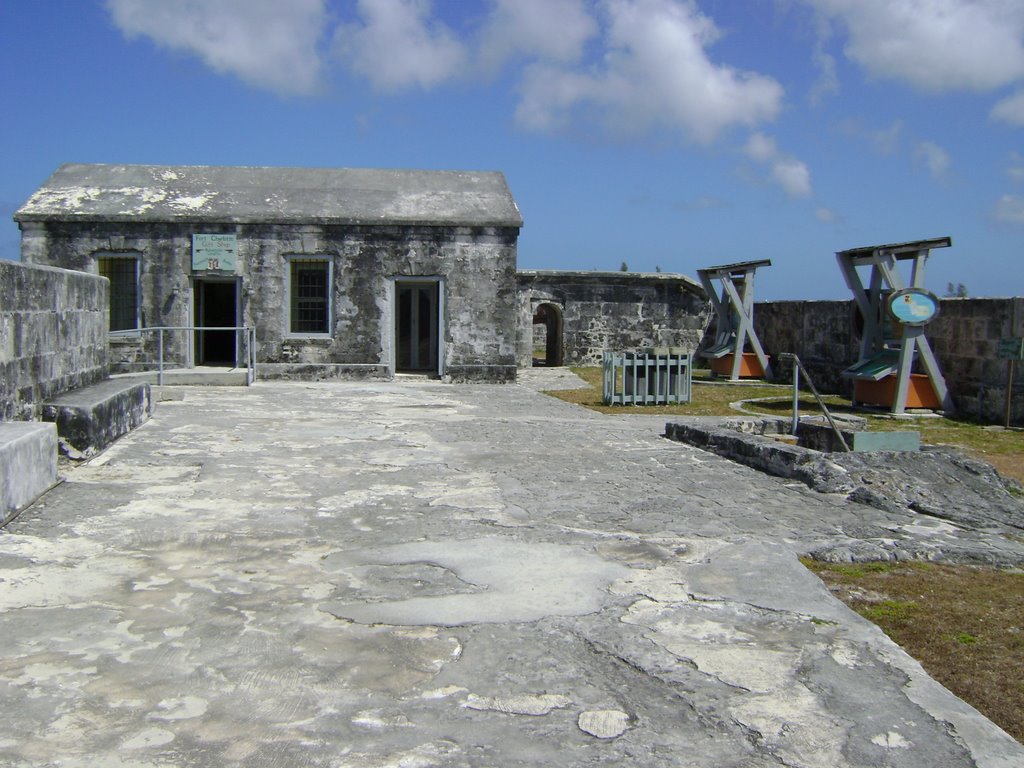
914,306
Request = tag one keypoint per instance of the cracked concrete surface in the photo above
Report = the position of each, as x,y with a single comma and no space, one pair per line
416,574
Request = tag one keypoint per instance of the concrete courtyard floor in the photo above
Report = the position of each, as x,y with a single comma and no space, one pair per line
420,574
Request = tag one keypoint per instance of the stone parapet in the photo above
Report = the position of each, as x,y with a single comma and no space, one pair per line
964,336
589,313
53,335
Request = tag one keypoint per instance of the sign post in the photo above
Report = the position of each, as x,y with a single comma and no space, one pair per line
1010,350
888,350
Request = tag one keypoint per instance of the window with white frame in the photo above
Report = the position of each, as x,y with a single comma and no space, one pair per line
123,273
309,295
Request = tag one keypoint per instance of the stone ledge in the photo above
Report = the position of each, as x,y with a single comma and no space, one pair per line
28,464
318,371
938,482
91,418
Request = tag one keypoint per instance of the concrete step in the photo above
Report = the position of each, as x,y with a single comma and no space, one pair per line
90,418
192,377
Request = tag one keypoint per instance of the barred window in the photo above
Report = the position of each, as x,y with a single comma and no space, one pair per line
123,274
310,284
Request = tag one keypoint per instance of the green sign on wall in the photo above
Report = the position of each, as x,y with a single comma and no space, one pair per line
214,252
1011,349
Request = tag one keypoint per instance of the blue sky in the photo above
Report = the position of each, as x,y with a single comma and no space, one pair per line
671,134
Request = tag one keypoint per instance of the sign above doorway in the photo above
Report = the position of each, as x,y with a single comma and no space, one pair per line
214,253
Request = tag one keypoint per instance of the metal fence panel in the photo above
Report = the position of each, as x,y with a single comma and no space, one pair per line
646,377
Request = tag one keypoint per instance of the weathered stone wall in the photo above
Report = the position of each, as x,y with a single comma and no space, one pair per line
822,333
53,335
613,311
964,337
474,265
164,283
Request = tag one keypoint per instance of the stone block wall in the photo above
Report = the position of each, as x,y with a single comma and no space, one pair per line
615,311
53,335
964,337
823,334
475,267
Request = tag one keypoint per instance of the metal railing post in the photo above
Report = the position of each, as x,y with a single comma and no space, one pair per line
250,356
244,335
796,395
821,403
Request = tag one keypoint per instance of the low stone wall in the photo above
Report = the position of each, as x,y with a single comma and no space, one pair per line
53,335
28,465
964,337
615,311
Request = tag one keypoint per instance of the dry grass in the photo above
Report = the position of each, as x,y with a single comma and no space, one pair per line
709,399
965,625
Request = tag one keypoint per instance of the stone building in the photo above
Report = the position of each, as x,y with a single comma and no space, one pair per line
571,318
339,271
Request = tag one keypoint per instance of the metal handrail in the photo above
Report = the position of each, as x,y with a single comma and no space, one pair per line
249,344
797,368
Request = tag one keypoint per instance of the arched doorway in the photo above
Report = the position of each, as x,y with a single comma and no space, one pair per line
547,335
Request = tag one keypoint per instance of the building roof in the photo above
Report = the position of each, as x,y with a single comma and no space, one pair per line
526,276
155,193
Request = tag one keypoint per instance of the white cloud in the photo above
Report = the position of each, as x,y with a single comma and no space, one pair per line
396,45
1010,110
885,141
936,45
1009,210
1015,169
266,43
701,203
550,30
827,83
934,158
788,172
655,73
826,215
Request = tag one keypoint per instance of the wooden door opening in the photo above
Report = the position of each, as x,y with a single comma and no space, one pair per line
216,305
417,326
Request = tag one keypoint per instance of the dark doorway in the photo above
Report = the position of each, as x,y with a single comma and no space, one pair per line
417,323
547,335
216,305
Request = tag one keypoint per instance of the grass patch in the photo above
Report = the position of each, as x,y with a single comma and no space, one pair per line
709,399
892,612
964,624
